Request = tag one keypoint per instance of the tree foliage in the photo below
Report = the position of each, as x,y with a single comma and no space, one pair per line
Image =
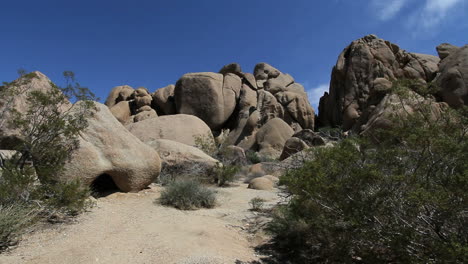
46,134
399,199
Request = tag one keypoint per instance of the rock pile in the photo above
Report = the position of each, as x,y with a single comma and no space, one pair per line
361,87
242,102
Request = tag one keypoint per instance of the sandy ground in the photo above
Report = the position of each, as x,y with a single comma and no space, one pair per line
132,228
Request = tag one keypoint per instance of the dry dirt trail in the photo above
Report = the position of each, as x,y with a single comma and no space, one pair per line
131,228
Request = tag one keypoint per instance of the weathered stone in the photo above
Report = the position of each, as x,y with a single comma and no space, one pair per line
234,68
246,105
261,183
278,84
249,79
118,94
142,97
445,49
264,71
122,111
202,95
453,78
107,148
163,100
298,107
181,160
310,138
354,75
292,146
272,136
181,128
268,106
145,115
235,155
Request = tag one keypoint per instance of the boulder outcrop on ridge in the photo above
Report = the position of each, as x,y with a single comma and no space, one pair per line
364,67
453,77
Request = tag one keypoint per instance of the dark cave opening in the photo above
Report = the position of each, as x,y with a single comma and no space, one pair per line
103,186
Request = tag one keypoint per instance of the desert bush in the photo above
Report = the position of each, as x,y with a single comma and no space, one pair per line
253,157
257,204
14,219
188,195
402,199
225,173
70,197
48,134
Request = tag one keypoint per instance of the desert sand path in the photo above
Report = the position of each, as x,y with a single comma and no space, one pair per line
131,228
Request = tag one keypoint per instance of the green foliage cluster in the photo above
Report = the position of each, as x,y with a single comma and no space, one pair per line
257,204
14,219
253,157
188,195
226,170
401,199
225,173
49,130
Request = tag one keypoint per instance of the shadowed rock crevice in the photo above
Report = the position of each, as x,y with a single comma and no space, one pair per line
103,186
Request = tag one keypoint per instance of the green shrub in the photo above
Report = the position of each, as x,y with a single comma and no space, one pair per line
253,157
225,174
402,199
188,195
257,204
70,198
16,185
14,218
47,137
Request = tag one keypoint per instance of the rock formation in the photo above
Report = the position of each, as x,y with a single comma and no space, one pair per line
453,77
181,160
106,148
362,96
229,100
363,69
181,128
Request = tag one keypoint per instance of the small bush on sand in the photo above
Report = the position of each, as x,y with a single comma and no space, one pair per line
257,204
225,174
188,195
253,157
14,219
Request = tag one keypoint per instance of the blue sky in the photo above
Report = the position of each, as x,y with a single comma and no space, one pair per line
153,43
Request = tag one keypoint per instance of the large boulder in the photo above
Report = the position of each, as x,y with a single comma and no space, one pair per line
181,128
106,148
453,78
234,68
292,146
261,183
246,105
163,100
269,107
179,159
206,96
354,75
118,94
272,136
298,107
122,111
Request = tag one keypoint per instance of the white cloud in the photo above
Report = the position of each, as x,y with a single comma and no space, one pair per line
315,93
432,14
387,9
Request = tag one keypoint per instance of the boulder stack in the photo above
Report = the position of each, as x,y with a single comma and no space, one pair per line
229,100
